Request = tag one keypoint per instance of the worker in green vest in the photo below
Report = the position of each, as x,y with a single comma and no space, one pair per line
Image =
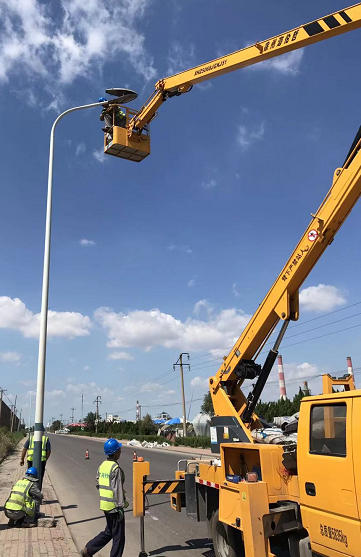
29,448
110,482
21,505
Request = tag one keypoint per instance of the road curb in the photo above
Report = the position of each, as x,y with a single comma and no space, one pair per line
178,450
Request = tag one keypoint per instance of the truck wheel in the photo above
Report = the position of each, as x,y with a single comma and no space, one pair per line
227,541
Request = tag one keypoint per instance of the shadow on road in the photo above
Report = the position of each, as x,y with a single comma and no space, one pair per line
69,507
190,544
85,520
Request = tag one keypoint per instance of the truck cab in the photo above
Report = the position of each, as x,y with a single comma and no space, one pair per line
329,471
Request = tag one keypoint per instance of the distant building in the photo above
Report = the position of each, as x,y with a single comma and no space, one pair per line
163,416
114,418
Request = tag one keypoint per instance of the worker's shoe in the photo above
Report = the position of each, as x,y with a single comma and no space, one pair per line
84,552
28,524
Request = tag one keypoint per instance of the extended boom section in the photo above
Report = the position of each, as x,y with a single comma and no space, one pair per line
280,303
324,28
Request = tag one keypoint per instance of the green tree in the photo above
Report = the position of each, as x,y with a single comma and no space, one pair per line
282,407
90,421
207,406
56,425
146,426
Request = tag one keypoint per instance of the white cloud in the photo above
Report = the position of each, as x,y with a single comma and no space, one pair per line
120,356
202,305
246,136
323,297
204,85
199,383
191,283
288,64
58,102
99,155
91,390
234,290
71,40
11,357
80,148
184,249
15,315
27,382
87,243
209,185
180,57
55,394
148,329
86,368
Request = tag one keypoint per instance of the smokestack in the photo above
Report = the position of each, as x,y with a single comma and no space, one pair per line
306,391
349,365
350,369
281,379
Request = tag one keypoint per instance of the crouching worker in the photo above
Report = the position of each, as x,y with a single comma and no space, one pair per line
20,506
109,481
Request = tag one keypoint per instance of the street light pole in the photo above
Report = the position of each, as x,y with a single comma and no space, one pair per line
40,387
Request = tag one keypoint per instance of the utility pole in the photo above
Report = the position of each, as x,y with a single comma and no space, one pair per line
19,422
13,413
82,409
72,414
97,401
61,421
179,363
137,413
1,401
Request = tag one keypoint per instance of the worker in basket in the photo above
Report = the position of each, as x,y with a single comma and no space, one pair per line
111,113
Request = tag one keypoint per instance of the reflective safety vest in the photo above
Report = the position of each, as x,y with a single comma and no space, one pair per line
19,499
44,442
105,491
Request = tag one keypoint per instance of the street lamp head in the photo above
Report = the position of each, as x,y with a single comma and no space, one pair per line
123,95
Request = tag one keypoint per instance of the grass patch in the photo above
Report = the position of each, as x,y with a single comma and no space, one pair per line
8,441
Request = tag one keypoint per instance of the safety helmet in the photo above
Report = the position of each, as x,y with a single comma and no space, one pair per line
111,446
102,100
32,471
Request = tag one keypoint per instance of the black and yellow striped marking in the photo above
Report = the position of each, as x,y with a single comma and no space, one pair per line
331,22
165,486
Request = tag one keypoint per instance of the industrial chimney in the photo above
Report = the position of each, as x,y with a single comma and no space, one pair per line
281,379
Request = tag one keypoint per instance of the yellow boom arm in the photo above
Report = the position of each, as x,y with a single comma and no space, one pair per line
281,301
319,30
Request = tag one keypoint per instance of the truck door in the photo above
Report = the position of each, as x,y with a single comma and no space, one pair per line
326,476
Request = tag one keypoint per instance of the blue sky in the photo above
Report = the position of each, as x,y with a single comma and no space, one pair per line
173,254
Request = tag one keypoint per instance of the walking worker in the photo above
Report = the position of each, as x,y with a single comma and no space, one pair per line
21,505
110,482
29,448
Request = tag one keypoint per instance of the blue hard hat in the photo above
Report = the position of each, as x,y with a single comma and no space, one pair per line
111,446
32,471
102,100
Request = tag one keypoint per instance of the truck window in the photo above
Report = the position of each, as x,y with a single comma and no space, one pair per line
328,429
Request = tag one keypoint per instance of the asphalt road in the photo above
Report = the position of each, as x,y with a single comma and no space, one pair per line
167,533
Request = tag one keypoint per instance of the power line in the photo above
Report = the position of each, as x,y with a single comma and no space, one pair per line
197,366
201,365
291,327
